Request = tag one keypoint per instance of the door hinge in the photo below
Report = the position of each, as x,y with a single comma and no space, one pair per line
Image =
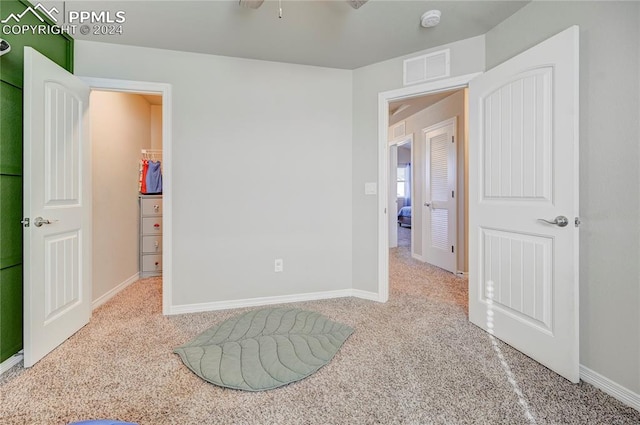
451,248
577,221
25,222
452,139
453,193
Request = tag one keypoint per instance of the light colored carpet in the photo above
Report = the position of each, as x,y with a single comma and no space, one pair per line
404,236
438,370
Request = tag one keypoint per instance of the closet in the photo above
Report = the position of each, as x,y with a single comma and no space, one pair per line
126,130
150,202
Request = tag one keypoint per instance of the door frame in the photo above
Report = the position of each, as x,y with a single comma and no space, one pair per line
407,139
164,90
384,98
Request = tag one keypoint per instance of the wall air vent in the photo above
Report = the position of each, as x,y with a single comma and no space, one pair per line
398,130
426,67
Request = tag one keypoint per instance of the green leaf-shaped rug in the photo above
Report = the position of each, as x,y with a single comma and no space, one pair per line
264,349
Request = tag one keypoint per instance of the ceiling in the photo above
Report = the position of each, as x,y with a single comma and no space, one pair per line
323,33
403,109
153,99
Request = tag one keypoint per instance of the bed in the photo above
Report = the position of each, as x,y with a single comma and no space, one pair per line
404,216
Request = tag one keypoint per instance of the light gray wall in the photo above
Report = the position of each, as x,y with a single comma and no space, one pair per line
156,127
273,141
449,107
609,154
467,56
120,127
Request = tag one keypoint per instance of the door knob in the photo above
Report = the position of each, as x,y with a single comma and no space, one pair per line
427,204
560,221
39,221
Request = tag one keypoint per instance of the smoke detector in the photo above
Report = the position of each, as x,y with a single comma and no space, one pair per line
430,19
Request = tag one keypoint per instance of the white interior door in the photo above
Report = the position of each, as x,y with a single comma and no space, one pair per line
57,190
440,215
523,164
393,196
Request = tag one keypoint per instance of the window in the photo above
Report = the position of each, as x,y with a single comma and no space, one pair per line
402,182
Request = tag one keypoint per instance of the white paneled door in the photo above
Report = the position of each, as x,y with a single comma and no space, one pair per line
439,210
523,226
393,196
57,190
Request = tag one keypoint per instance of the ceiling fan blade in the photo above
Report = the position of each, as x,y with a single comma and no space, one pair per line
251,4
356,3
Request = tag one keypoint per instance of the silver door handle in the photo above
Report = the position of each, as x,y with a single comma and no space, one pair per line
560,221
39,221
427,204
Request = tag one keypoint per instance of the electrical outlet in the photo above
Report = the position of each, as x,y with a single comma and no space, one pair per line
278,265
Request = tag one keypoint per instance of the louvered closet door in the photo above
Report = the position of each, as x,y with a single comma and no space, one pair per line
439,223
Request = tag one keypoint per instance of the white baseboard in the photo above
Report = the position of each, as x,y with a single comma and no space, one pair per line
614,389
112,293
365,295
282,299
10,362
418,257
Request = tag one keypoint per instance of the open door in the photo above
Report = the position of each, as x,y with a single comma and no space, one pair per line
523,226
393,196
57,206
440,212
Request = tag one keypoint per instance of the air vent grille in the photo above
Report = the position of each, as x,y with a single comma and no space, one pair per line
398,130
426,67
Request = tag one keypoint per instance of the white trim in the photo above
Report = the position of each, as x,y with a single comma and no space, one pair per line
280,299
365,295
11,362
402,140
114,291
453,121
418,257
144,87
610,387
383,133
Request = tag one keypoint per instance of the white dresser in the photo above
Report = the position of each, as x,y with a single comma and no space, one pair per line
150,235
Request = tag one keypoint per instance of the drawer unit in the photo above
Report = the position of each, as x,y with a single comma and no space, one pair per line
150,245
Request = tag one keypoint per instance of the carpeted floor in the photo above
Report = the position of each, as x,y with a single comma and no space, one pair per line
404,236
414,360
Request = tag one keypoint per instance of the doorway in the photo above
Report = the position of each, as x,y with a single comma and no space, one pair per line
126,149
401,180
387,99
523,117
437,124
152,92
